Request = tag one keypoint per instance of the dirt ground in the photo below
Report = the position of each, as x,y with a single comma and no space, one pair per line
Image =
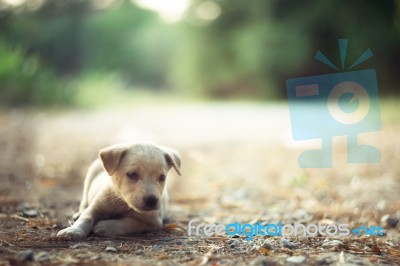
239,163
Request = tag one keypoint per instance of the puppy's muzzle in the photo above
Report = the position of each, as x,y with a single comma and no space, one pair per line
150,202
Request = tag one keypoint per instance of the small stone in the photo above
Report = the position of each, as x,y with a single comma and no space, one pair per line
30,213
95,257
82,255
234,243
296,260
80,245
26,255
139,252
42,256
288,244
111,249
156,247
389,221
327,259
180,253
268,245
262,261
332,243
24,206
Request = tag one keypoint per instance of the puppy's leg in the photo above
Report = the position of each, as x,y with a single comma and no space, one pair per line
81,228
126,225
94,169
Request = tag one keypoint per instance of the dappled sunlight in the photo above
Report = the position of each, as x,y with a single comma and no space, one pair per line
13,2
208,11
169,10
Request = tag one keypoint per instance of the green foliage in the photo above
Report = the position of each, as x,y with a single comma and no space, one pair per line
240,53
97,87
256,45
25,81
129,41
66,51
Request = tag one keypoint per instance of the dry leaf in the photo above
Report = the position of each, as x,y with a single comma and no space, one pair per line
170,228
376,249
373,259
264,251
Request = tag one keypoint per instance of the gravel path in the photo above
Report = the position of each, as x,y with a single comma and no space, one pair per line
239,164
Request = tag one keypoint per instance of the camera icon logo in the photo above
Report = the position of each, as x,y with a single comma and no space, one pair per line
337,104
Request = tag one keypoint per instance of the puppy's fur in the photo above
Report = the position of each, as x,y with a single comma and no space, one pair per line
124,191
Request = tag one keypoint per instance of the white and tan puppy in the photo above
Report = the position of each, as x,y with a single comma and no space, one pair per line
129,196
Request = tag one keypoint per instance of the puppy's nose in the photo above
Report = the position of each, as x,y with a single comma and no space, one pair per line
150,201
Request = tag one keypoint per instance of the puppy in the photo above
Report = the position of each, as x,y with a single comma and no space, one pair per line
124,191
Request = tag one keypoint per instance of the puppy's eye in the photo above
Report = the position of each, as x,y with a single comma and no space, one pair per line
161,178
133,176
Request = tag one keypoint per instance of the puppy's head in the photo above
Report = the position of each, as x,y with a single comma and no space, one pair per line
139,172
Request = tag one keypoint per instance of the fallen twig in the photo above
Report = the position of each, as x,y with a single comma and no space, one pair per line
15,216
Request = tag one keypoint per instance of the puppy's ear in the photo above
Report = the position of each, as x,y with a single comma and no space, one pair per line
111,158
173,159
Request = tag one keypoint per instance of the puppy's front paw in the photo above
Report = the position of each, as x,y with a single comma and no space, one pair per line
76,216
73,233
108,227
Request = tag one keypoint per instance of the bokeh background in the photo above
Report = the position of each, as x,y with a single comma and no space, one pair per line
206,77
77,52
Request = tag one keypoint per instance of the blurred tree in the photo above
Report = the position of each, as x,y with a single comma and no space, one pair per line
252,47
223,48
51,32
25,81
72,37
129,41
